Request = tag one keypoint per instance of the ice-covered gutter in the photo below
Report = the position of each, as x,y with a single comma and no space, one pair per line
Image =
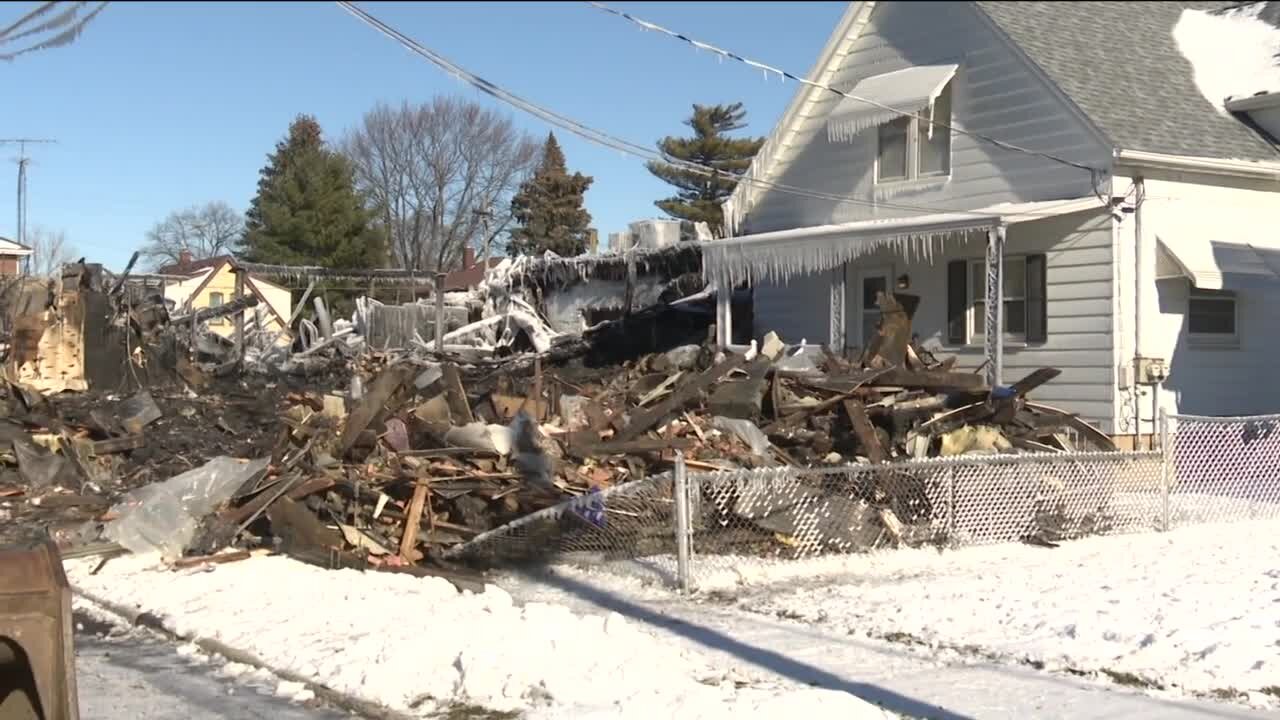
779,256
1232,54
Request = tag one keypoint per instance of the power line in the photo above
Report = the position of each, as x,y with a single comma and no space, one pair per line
804,81
605,139
62,20
28,17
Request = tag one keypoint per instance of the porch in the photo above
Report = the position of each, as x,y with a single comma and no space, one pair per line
1040,271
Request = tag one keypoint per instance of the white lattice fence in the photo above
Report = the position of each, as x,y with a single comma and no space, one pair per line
1209,470
1222,469
792,513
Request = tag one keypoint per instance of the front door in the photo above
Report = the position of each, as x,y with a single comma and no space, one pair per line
871,281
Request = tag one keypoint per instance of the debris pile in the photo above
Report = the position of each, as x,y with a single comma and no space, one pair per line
391,460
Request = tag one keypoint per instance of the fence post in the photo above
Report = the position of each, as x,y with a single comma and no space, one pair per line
951,506
1166,469
681,491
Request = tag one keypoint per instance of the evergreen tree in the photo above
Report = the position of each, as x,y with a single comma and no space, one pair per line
699,195
307,211
548,208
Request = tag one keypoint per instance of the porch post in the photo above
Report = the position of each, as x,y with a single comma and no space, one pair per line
724,314
993,323
839,322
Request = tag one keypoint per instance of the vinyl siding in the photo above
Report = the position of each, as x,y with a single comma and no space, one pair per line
994,93
1202,380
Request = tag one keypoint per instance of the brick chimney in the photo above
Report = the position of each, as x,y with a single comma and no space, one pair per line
468,258
184,258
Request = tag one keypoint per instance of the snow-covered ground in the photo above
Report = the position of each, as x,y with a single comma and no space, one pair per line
419,646
995,632
130,674
1194,612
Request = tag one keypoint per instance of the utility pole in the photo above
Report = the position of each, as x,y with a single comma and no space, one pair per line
485,215
23,161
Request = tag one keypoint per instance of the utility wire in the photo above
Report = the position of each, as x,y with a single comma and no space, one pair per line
28,17
645,24
605,139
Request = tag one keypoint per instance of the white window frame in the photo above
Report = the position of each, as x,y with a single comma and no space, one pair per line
222,300
1215,340
913,144
976,321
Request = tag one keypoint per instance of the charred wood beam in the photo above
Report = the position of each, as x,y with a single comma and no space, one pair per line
207,314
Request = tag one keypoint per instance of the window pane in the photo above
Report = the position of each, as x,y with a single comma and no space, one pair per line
979,319
1015,277
935,151
1211,315
215,299
977,281
893,149
870,287
1015,317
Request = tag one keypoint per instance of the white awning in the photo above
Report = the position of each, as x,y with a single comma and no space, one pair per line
782,254
1206,262
912,90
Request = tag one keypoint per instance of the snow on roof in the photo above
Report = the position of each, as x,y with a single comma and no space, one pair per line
1233,53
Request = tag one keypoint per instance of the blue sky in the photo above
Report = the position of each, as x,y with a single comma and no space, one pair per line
161,106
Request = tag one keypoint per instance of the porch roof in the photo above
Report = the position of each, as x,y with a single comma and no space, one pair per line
782,254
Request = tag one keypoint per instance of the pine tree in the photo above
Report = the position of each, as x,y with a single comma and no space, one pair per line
699,195
548,208
307,211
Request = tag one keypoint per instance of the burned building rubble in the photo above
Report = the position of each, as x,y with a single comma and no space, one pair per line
127,428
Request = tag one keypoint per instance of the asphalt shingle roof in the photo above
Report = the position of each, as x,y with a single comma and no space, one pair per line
1119,63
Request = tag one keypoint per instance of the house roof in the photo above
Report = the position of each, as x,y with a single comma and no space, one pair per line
1122,66
194,266
13,247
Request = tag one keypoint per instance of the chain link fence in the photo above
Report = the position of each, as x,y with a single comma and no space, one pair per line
1222,469
686,527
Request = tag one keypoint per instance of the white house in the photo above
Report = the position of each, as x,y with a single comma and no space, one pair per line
1088,152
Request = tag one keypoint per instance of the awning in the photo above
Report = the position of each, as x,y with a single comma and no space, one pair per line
1207,262
911,90
782,254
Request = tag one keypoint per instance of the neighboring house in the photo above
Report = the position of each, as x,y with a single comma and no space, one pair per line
212,282
1159,237
11,256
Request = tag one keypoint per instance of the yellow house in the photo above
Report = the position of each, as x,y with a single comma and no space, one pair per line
212,282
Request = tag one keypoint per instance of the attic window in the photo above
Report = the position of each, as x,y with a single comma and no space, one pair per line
911,148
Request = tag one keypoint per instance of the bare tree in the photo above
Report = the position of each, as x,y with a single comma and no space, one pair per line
204,232
49,251
440,175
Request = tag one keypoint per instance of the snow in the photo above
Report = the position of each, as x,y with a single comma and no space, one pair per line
418,645
132,674
1196,611
1232,54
